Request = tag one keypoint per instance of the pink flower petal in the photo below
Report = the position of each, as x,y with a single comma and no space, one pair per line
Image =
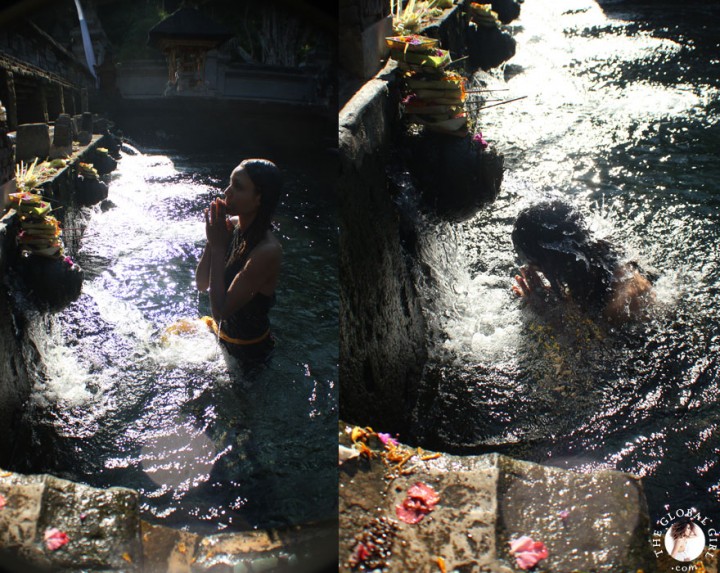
410,514
527,552
523,543
55,539
3,501
387,439
564,514
424,493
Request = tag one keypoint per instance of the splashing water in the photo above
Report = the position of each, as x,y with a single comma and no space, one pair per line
123,401
621,120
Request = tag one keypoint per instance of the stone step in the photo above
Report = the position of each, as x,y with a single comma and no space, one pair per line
588,521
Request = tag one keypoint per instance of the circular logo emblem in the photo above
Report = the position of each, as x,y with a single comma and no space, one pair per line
684,540
684,535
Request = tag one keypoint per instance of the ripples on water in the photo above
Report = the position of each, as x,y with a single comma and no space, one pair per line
205,445
621,119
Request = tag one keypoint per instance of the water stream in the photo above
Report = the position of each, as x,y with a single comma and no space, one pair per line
125,404
621,119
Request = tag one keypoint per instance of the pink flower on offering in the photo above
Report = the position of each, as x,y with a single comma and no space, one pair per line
387,439
420,500
69,261
527,552
409,98
55,539
564,514
478,138
3,501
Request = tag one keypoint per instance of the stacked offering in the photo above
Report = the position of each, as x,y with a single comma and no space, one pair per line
88,171
40,232
434,97
483,15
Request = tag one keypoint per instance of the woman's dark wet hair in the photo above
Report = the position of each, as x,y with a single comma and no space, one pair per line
553,236
267,179
679,528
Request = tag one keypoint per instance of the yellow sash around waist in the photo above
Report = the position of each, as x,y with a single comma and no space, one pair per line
210,321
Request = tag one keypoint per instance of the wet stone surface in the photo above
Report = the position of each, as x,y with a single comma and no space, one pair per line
102,525
588,522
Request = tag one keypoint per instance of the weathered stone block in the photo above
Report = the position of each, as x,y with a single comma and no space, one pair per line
364,50
87,122
167,549
487,500
455,175
63,134
90,191
51,282
507,10
103,526
488,47
84,137
32,140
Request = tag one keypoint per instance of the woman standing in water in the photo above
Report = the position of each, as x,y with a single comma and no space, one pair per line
241,261
552,238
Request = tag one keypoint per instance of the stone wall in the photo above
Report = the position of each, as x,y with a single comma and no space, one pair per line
382,346
105,533
17,353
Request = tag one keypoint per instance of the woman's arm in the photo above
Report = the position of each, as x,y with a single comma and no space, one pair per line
630,299
202,272
261,267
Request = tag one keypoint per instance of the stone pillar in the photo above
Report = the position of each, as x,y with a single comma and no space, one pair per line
61,98
84,100
11,103
42,91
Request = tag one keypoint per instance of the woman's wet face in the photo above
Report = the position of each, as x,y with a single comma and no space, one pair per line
241,196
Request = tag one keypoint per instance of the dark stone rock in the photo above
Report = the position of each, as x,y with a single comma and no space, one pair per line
106,205
50,281
101,125
86,123
90,191
32,140
489,47
63,133
103,163
507,10
84,137
455,175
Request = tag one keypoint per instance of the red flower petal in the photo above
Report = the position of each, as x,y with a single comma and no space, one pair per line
424,493
527,552
410,514
55,539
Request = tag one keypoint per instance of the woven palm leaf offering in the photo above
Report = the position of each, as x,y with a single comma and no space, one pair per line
437,102
483,15
40,232
418,53
412,43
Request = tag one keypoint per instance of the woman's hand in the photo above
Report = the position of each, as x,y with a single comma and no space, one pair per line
218,228
529,284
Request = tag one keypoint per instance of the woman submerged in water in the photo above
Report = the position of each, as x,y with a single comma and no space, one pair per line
241,261
553,241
